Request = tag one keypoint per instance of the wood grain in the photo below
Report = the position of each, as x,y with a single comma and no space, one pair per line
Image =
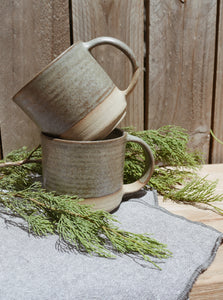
209,284
217,150
122,19
180,61
32,34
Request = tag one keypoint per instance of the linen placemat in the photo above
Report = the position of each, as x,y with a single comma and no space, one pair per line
37,268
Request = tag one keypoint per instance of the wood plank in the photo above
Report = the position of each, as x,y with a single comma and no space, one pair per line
213,292
195,214
122,19
32,34
180,58
217,150
209,285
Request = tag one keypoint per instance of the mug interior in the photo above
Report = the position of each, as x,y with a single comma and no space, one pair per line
114,135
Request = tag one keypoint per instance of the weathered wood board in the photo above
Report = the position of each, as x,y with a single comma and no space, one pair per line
182,59
180,66
124,20
217,148
32,34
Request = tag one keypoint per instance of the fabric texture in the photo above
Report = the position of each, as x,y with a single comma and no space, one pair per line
41,268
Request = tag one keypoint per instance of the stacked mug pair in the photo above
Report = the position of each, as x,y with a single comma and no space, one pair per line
77,108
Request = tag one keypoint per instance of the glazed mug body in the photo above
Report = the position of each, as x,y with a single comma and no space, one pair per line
73,97
92,170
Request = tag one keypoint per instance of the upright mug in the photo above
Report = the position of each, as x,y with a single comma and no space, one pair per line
92,170
73,97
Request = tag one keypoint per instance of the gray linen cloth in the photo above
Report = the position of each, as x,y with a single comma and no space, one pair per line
37,269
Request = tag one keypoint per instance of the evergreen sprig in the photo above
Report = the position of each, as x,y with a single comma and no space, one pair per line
169,145
199,190
15,177
76,224
171,179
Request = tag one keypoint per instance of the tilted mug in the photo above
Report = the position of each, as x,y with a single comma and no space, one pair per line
73,97
92,170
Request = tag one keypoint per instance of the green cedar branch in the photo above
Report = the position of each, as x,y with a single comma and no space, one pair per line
169,145
26,160
77,224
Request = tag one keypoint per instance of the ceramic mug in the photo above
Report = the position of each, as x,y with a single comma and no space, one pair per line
73,97
92,170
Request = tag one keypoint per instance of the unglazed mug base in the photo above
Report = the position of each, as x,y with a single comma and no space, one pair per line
107,202
97,124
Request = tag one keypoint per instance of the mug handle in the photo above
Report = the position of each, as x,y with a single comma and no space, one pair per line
125,49
149,166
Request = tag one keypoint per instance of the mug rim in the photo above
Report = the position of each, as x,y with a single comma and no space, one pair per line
102,141
46,68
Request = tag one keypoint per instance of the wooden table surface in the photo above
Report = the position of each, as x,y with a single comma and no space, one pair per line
209,284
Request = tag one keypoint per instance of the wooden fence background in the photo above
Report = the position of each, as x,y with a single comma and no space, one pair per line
179,45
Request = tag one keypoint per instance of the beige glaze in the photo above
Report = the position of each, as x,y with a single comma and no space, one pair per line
95,125
63,96
92,169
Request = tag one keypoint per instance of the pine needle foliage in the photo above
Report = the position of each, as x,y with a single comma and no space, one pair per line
197,190
171,179
169,145
76,224
15,177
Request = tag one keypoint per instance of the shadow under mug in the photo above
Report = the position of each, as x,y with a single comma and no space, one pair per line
73,97
92,170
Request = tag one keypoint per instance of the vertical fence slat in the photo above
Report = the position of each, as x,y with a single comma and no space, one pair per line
122,19
181,65
32,34
217,148
180,60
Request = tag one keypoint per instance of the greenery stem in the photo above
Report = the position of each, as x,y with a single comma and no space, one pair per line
214,136
19,162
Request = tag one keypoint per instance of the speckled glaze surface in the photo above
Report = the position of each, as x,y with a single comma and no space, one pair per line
70,88
91,169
